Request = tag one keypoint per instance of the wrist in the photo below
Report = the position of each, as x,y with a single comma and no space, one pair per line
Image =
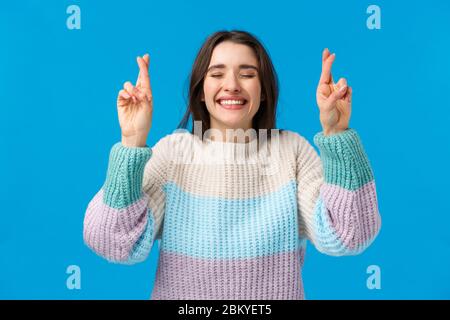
134,141
331,131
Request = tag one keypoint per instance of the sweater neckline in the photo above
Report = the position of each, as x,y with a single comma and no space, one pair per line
229,150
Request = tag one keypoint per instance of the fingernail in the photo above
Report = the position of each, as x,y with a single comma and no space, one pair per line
343,88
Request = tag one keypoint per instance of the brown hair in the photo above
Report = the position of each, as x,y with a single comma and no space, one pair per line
265,118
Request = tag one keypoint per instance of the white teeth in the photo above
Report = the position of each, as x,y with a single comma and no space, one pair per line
228,102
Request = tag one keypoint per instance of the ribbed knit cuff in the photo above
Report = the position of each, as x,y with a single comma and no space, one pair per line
344,160
123,185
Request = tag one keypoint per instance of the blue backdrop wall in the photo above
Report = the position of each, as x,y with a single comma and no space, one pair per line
58,89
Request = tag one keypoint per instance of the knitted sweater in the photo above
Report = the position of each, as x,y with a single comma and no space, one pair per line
234,218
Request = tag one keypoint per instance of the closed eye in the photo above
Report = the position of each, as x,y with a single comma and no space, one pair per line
219,75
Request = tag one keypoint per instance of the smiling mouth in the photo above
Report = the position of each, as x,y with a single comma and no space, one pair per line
232,104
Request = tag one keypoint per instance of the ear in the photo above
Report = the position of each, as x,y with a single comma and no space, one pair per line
202,98
263,97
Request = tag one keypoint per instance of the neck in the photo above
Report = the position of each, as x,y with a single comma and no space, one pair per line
240,134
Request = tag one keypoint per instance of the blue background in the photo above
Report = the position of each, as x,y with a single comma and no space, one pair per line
58,90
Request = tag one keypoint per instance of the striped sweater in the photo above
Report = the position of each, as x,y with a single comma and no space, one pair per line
234,218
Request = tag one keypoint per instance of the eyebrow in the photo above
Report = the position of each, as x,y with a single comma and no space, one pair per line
242,66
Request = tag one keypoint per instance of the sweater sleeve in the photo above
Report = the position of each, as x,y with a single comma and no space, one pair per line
337,201
125,216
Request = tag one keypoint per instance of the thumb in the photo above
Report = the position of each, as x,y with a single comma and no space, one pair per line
336,95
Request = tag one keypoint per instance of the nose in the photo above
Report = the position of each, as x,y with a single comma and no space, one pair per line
231,84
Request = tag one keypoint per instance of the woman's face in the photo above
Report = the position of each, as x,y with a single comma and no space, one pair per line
232,90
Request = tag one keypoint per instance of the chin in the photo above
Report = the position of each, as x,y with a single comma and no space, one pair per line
232,122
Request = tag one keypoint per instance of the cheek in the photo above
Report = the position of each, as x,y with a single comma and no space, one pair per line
209,90
254,89
209,93
255,92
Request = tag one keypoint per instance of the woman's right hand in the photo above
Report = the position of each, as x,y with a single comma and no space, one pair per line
135,107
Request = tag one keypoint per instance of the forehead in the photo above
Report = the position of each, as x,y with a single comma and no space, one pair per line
230,53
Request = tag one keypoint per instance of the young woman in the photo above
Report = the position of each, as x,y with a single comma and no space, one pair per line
233,210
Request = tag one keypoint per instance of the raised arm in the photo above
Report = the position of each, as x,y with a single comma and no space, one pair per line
124,217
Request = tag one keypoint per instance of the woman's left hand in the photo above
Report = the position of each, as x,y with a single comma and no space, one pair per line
334,100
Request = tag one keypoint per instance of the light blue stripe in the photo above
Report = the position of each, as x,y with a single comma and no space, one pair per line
143,246
327,241
216,228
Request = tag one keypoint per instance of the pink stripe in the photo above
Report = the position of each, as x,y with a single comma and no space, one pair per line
276,277
112,233
353,214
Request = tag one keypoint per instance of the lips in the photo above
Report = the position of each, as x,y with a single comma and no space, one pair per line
232,103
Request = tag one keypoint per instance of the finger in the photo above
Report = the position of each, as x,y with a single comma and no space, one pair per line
348,96
147,61
122,102
341,83
143,77
129,88
322,96
124,94
123,98
138,80
324,91
139,94
325,77
336,95
325,54
148,89
130,94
